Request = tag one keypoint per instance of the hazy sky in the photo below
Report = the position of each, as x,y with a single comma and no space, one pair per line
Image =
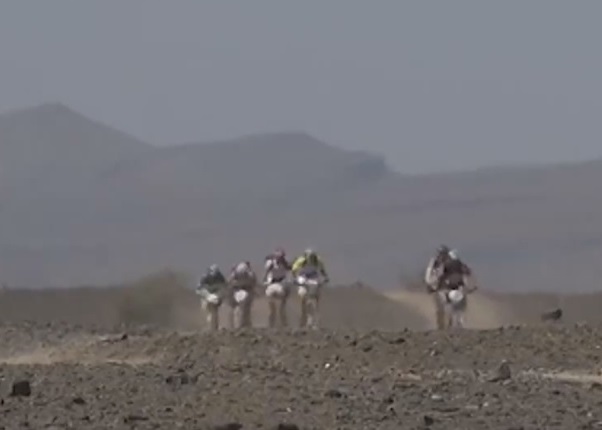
433,85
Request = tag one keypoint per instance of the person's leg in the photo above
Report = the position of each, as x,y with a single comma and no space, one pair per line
283,313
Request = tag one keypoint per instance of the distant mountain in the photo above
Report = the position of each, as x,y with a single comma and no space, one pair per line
50,147
81,202
261,168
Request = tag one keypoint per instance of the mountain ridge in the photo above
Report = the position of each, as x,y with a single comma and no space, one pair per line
127,208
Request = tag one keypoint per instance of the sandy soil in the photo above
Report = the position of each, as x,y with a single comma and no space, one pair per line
483,312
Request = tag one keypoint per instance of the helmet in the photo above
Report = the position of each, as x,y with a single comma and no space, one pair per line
311,256
279,253
214,268
241,267
453,254
443,249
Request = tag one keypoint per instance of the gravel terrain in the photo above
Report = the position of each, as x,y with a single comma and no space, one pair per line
65,376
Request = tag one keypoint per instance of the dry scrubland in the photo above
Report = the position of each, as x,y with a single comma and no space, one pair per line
134,357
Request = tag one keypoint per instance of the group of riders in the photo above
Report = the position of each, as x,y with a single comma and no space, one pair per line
447,277
239,289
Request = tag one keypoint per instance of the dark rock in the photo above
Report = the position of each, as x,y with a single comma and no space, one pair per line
286,426
334,393
228,426
133,418
79,401
428,420
552,315
397,341
21,389
503,373
387,400
181,379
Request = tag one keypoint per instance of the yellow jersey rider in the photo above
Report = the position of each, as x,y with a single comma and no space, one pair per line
309,263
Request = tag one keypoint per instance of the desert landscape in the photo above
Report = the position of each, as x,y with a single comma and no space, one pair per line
139,357
143,142
89,340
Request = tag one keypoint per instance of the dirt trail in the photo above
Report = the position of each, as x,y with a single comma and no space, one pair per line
78,347
483,312
168,305
353,307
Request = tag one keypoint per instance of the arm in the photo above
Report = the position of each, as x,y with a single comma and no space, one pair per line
466,270
322,269
220,278
202,282
297,265
268,268
231,275
469,279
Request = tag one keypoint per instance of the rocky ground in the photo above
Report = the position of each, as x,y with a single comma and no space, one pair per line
63,376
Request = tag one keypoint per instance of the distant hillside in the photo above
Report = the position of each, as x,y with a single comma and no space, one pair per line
262,168
50,147
81,202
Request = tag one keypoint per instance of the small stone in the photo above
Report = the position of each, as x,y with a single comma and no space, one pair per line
503,373
133,418
181,378
428,420
21,389
228,426
334,393
397,341
552,315
79,401
286,426
389,399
